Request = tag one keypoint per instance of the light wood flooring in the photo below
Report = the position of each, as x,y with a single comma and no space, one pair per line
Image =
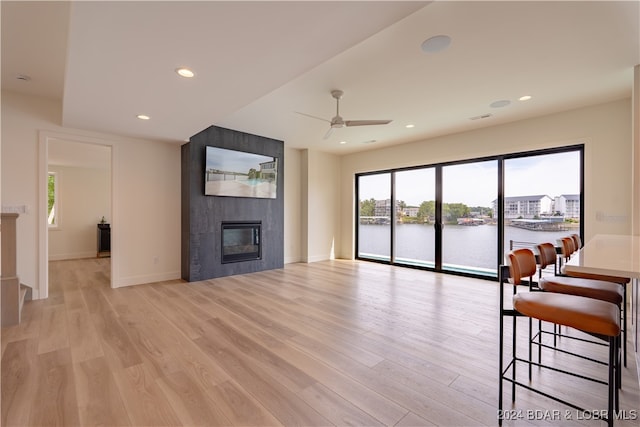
327,343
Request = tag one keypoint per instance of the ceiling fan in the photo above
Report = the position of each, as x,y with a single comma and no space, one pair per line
339,122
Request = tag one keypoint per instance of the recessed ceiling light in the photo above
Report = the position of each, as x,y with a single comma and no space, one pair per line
185,72
409,126
500,104
525,98
143,117
370,141
23,77
343,142
435,44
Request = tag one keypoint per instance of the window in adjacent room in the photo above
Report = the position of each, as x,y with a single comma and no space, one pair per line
52,200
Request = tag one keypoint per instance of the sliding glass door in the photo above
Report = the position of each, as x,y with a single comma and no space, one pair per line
462,217
374,216
542,198
470,233
414,235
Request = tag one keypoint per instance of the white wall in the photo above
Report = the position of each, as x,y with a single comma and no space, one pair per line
84,196
292,204
19,175
604,129
145,189
146,225
321,211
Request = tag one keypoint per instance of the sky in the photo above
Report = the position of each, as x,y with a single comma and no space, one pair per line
234,161
475,184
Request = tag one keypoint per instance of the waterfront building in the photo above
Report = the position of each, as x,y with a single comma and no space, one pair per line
411,211
568,205
527,207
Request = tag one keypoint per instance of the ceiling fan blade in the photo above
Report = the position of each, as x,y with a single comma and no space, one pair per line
339,122
366,122
313,117
328,134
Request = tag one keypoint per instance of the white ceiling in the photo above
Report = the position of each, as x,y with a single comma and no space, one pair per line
258,63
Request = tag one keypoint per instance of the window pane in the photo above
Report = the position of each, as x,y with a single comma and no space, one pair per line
542,199
414,232
374,214
52,190
470,234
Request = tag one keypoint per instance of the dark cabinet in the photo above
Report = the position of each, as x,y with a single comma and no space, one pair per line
104,240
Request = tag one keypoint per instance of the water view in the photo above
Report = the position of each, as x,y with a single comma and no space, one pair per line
463,247
537,207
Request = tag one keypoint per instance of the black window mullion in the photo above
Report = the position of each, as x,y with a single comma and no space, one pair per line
438,220
582,194
392,216
357,219
499,215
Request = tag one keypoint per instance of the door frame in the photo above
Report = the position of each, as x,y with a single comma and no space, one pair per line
44,137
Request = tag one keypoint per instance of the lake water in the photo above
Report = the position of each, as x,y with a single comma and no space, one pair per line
463,247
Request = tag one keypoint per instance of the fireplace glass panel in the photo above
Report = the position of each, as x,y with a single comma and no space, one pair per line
241,241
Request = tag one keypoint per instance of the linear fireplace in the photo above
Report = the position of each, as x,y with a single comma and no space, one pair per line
241,241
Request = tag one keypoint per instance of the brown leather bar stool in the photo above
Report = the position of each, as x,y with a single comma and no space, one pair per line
591,288
577,241
567,248
589,315
622,281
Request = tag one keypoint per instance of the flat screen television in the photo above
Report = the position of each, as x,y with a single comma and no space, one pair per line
240,174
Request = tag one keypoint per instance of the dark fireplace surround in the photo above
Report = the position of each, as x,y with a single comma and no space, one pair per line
253,228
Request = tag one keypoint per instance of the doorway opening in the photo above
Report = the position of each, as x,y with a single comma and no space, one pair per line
76,205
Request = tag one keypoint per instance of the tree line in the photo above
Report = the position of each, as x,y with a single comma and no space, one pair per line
427,211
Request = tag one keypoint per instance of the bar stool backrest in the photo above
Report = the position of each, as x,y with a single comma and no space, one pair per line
546,255
567,246
522,264
577,242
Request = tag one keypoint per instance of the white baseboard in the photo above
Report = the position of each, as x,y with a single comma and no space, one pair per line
316,258
75,255
145,279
